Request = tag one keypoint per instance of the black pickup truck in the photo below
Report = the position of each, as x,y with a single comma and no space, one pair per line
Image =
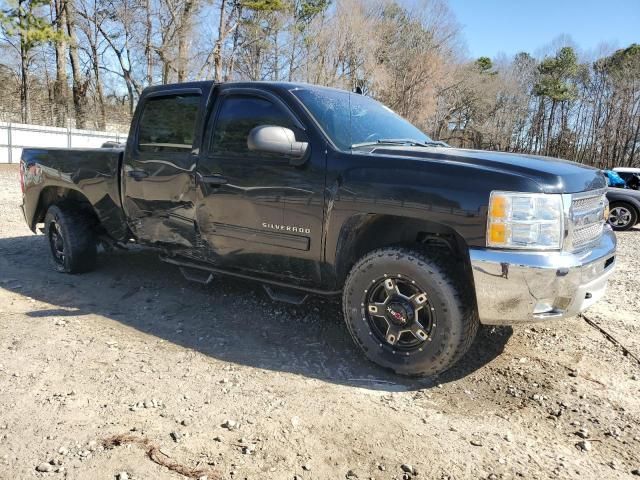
312,190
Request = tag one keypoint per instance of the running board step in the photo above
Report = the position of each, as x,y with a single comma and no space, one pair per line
285,295
191,265
196,275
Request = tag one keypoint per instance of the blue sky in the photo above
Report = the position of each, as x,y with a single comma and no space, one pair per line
512,26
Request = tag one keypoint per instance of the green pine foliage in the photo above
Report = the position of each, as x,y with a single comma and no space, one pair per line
26,20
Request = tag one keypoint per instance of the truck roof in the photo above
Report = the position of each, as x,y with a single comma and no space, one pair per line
206,84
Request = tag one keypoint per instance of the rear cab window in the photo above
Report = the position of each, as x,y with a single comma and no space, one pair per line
168,123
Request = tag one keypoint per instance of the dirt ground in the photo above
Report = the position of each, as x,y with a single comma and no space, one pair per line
221,379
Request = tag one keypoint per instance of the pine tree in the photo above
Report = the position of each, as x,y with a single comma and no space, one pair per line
24,21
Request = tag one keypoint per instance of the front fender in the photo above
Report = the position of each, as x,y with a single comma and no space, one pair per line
432,195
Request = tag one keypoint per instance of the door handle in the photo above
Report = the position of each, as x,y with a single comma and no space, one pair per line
138,174
214,179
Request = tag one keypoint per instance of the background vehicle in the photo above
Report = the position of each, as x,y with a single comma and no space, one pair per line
614,179
624,208
316,190
630,175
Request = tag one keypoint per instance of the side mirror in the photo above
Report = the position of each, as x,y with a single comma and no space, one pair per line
280,140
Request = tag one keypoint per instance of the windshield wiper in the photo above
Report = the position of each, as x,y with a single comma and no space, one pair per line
400,141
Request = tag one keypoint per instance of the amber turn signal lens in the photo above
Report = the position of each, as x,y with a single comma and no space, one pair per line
498,208
497,233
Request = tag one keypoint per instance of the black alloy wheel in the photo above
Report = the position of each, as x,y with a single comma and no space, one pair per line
410,310
71,237
56,243
399,313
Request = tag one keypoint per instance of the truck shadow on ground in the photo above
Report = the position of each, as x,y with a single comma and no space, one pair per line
230,320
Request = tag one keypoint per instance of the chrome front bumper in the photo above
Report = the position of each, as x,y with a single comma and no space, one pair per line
516,286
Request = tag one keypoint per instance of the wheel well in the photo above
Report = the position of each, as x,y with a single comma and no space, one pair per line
364,233
60,196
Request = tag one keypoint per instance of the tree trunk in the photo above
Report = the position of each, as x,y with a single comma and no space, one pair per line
217,50
183,39
80,83
60,87
51,119
147,44
131,93
102,114
24,86
537,134
547,148
292,56
25,114
276,55
232,55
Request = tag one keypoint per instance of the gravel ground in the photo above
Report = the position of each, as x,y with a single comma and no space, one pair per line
221,379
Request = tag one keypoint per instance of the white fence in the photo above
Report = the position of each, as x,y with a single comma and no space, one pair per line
16,136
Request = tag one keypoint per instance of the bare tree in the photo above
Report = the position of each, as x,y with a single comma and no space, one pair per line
60,87
118,30
80,81
89,23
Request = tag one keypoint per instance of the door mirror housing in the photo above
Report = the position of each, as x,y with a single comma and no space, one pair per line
279,140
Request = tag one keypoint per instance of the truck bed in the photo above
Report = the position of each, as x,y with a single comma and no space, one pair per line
91,172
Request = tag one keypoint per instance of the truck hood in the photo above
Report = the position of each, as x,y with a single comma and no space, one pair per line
552,175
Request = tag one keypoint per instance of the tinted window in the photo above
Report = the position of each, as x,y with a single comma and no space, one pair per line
238,115
168,123
349,119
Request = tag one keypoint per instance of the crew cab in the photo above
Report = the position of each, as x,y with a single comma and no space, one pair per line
312,190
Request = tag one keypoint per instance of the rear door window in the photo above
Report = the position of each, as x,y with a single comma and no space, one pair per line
168,123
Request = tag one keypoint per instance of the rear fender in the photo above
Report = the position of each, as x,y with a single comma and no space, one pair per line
86,177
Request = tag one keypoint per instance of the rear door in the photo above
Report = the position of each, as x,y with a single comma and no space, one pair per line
245,196
159,166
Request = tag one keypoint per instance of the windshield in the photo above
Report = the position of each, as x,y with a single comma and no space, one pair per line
351,120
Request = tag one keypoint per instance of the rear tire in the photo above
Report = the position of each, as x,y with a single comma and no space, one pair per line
420,323
71,239
622,216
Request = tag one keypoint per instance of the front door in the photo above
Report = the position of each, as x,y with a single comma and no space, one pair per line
256,211
159,167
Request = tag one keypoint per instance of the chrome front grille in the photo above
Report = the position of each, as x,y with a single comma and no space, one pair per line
586,219
586,203
586,235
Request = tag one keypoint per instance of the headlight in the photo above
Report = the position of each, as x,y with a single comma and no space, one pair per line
525,220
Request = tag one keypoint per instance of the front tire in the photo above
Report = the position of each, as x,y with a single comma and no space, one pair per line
407,313
622,216
71,239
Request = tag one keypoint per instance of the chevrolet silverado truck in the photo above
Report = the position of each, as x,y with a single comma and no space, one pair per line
312,190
